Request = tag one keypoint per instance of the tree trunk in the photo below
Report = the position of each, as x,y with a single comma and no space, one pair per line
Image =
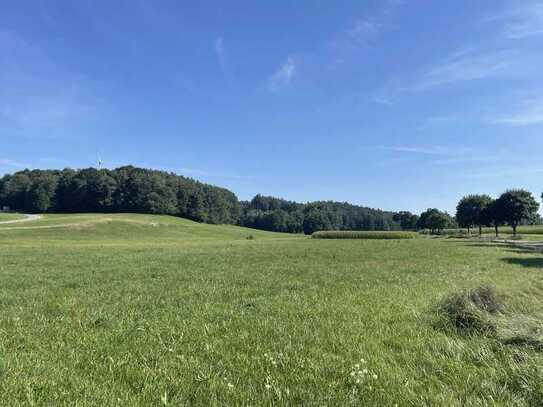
514,230
480,230
468,230
496,228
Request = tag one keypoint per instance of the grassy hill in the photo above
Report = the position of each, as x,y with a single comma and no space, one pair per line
4,217
127,229
154,310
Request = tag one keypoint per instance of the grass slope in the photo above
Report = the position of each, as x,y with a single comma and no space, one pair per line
126,229
145,310
4,217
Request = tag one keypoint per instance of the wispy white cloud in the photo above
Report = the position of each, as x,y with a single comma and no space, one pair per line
7,162
362,33
442,120
284,75
530,114
35,92
433,156
43,103
417,150
443,156
500,172
519,120
465,159
496,55
524,19
429,150
486,65
220,52
464,65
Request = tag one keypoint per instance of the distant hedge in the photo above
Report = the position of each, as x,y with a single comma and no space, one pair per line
345,234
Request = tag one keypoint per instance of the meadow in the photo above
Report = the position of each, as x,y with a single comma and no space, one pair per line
7,216
152,310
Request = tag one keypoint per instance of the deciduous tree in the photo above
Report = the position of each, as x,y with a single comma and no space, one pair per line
516,205
470,209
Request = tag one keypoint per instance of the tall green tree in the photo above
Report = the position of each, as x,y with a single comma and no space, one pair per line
470,209
492,216
515,206
41,194
316,220
435,220
407,220
14,190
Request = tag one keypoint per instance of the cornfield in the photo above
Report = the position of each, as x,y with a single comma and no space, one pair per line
347,234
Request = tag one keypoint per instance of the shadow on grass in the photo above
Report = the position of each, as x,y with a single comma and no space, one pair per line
533,262
525,340
519,248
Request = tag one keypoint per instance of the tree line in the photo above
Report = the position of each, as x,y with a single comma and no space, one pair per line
279,215
131,189
125,189
513,208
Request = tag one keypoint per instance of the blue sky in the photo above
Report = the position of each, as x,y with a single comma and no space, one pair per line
401,105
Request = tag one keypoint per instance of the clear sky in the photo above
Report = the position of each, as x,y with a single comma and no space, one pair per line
401,105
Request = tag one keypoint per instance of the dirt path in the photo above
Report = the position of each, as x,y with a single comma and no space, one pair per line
27,218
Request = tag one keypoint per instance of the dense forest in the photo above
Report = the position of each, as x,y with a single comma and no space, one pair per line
125,189
131,189
279,215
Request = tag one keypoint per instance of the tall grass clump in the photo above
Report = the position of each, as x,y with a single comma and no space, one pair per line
347,234
470,311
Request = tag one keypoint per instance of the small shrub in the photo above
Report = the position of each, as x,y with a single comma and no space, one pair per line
470,311
250,237
347,234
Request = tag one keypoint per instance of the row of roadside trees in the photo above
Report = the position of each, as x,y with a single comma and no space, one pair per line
512,208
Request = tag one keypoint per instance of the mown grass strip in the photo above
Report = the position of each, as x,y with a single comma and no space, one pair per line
506,230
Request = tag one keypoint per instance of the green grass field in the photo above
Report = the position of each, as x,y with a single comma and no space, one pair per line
128,310
6,216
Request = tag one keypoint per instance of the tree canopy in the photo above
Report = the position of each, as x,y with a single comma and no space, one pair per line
125,189
515,206
407,220
470,209
435,220
279,215
131,189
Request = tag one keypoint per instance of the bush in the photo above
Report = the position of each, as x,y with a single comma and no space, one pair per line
346,234
469,311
